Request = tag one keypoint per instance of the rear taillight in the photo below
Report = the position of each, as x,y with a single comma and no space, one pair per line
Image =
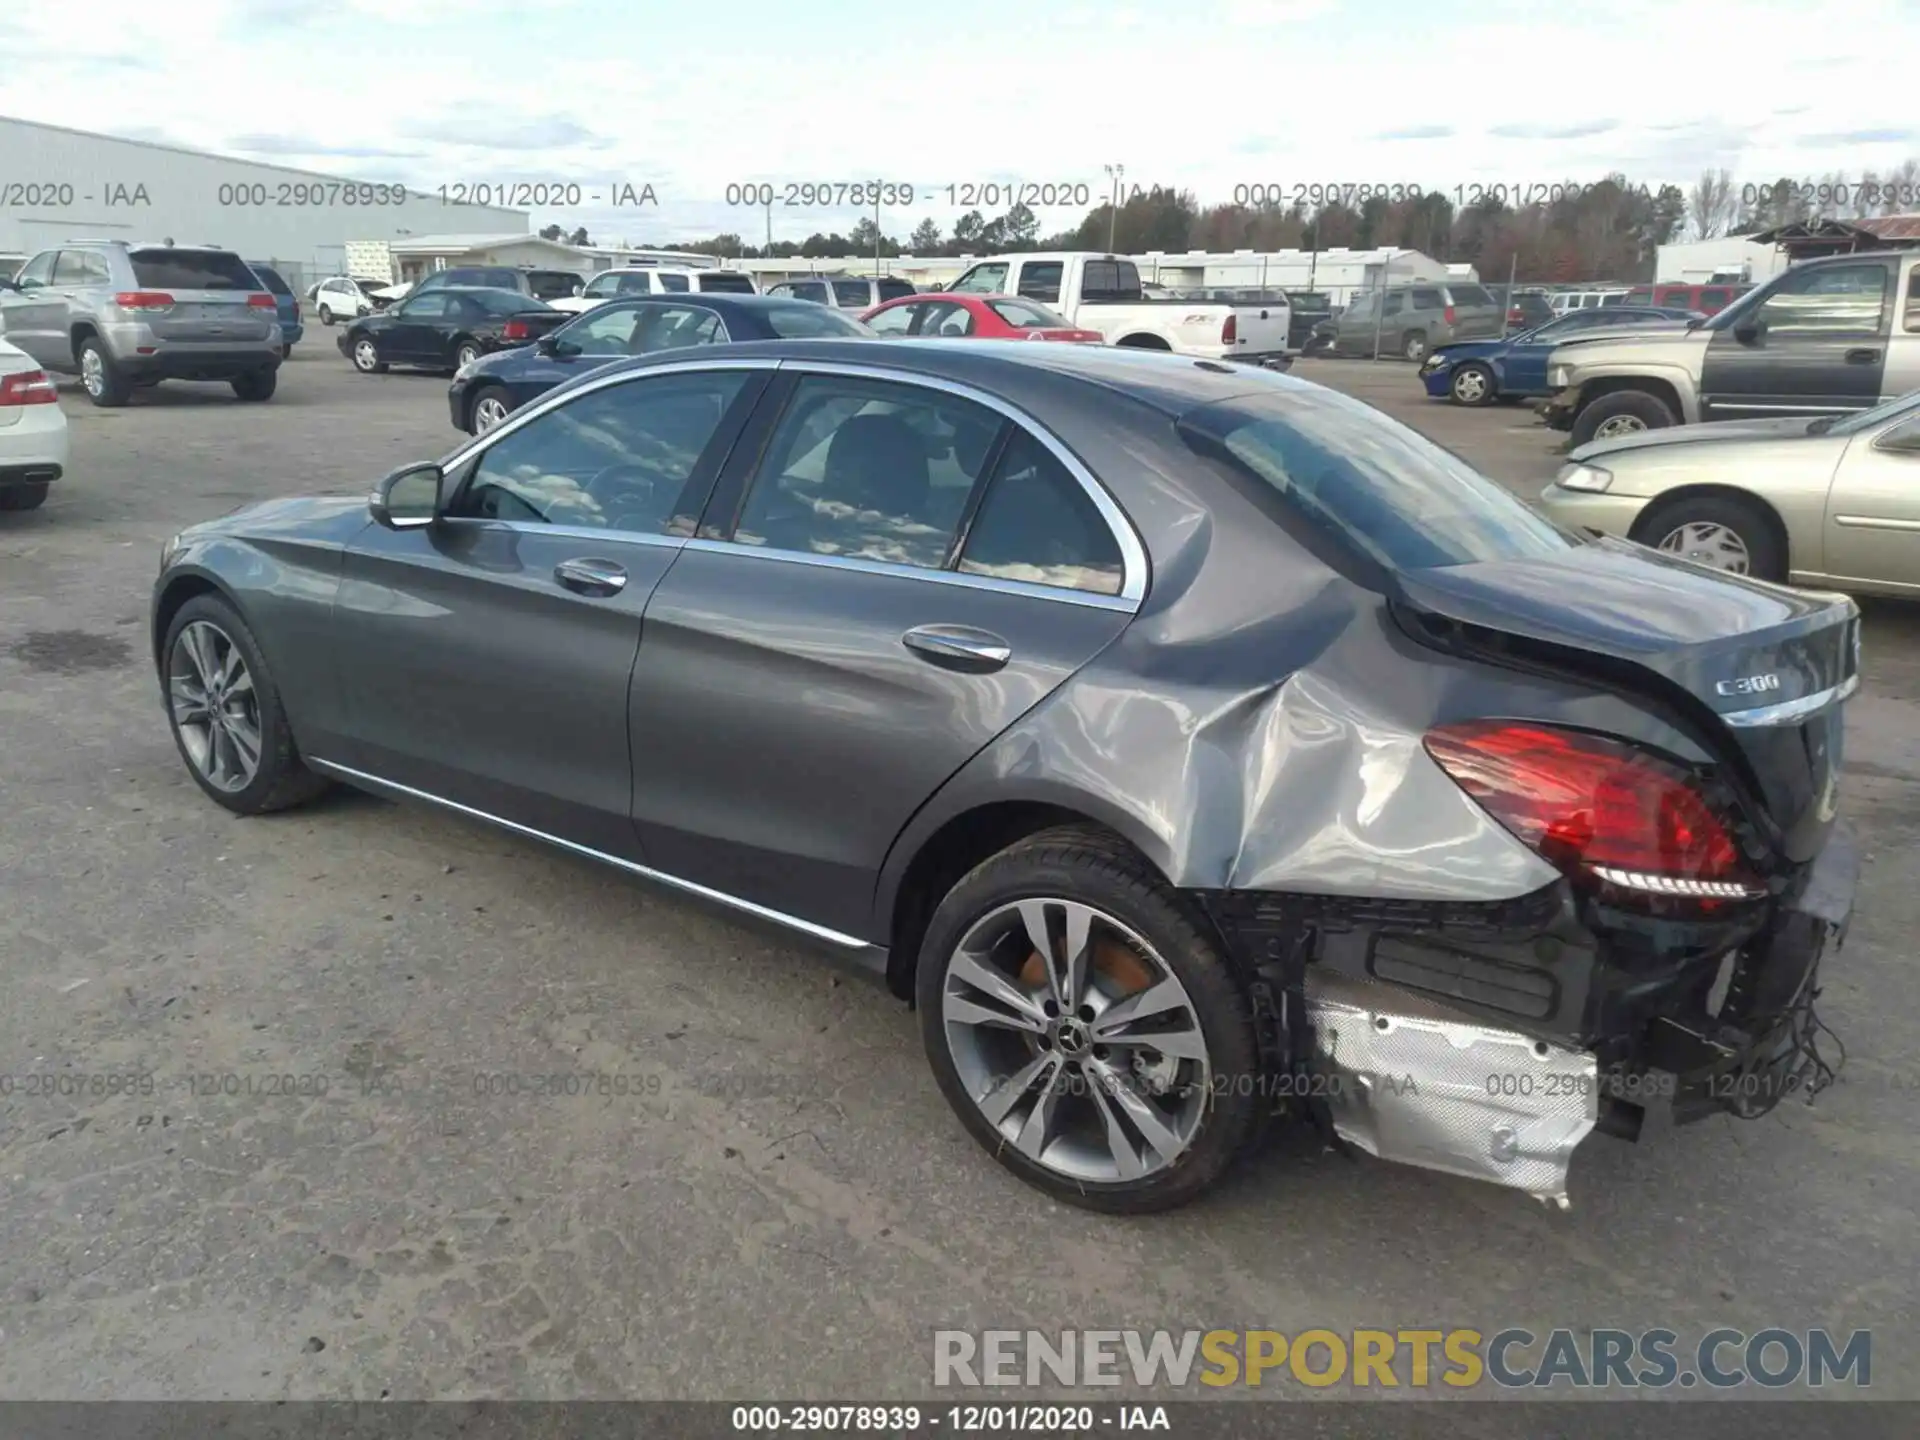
1230,332
517,330
1447,315
262,301
1604,813
29,387
143,300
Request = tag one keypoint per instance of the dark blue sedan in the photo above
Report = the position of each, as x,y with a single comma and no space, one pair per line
492,388
1478,372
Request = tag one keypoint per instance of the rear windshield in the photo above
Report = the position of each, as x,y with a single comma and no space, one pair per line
162,269
801,321
1470,295
894,289
1029,315
270,278
1373,484
852,292
505,302
554,284
726,284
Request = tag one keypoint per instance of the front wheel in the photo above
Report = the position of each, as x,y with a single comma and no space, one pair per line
225,712
1619,413
1084,1026
1722,532
489,409
366,357
1472,385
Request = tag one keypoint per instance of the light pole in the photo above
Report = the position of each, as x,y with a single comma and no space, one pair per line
1115,174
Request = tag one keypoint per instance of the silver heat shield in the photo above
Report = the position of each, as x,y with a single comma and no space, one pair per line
1410,1079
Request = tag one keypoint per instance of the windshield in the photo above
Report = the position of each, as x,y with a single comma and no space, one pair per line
1374,484
1029,315
810,322
1866,419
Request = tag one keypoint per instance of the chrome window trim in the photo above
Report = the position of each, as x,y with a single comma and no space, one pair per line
1133,554
778,917
553,400
568,532
1789,712
1089,598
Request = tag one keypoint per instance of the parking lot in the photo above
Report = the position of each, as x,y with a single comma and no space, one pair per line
782,1204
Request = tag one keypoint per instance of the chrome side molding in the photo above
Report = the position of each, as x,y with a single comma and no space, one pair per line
862,948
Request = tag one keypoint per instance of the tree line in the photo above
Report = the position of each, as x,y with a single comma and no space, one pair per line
1610,229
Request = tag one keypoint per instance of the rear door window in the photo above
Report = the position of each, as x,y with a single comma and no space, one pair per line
725,284
1040,279
1426,300
1375,487
854,294
677,284
894,289
814,290
165,269
1037,525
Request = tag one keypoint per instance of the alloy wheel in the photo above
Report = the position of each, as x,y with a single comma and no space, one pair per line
1076,1040
215,709
1708,543
1470,386
488,413
466,356
93,372
365,355
1614,426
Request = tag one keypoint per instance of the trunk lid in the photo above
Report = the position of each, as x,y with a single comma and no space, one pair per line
1762,667
210,292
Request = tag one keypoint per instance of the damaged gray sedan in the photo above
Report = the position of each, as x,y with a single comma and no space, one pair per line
1190,744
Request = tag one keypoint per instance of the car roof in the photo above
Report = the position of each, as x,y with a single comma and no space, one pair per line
1172,384
738,299
531,302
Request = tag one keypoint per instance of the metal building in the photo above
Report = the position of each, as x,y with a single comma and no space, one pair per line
58,184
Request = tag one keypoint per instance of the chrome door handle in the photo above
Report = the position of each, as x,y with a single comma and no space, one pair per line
591,577
1862,357
958,647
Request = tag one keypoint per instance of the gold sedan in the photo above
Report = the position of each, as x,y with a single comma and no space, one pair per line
1833,503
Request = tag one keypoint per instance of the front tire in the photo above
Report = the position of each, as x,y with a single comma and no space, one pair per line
366,357
224,709
490,406
1472,385
257,385
1618,413
1723,532
1118,1074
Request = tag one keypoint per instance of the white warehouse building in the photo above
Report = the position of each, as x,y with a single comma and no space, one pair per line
70,184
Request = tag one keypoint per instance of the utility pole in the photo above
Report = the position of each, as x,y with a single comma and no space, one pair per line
876,228
1115,174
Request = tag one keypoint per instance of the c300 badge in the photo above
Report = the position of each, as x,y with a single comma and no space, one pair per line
1749,685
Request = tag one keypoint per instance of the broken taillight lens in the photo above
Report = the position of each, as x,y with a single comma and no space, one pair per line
1599,810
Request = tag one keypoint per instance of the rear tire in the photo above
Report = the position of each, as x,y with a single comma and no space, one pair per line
1618,413
279,779
466,354
1717,530
258,385
1091,1147
24,497
1413,346
104,384
326,316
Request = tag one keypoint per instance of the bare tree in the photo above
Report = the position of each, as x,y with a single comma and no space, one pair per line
1711,204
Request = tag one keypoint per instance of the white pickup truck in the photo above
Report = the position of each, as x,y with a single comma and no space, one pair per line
1103,292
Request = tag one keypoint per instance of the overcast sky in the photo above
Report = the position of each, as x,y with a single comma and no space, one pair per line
1204,94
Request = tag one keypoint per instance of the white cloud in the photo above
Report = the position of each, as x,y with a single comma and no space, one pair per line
1218,93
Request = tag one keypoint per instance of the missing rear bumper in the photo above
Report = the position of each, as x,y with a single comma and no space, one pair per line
1412,1080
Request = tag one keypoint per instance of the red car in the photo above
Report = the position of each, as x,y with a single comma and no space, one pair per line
976,317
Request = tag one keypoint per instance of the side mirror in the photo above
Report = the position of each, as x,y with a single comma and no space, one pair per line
547,344
1750,332
409,498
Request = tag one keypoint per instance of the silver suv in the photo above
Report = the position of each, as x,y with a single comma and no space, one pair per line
845,292
1411,320
123,316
